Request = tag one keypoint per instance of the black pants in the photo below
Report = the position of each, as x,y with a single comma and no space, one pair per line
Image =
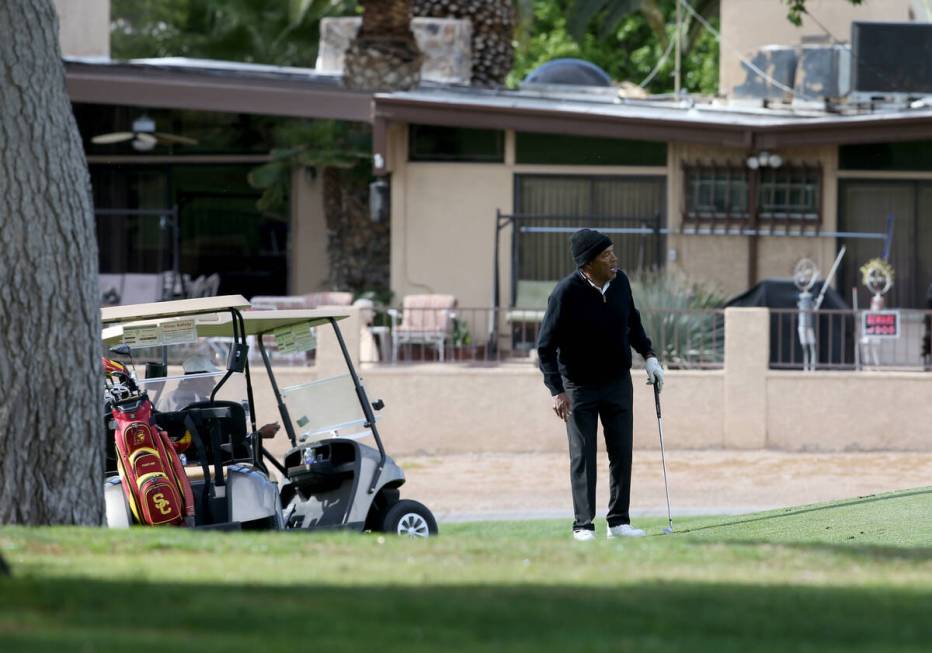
612,403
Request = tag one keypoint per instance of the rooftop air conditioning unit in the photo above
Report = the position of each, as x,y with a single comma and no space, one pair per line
779,64
891,59
823,71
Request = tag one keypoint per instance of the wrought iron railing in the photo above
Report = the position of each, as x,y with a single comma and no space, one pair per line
684,339
840,342
687,338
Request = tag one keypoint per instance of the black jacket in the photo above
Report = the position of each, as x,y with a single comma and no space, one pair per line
587,338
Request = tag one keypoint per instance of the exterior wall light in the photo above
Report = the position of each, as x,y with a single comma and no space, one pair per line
764,159
379,200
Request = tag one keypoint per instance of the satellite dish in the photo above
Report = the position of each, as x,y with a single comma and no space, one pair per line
143,137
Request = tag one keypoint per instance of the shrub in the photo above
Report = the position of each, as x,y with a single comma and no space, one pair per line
678,317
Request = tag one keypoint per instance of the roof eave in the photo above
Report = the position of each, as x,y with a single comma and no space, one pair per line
845,132
208,91
578,123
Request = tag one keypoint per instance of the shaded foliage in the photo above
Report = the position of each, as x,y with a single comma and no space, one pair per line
318,144
253,31
628,53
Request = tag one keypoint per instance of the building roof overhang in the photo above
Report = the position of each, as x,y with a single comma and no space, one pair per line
302,92
215,86
728,126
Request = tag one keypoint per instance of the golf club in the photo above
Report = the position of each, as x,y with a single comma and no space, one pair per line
669,529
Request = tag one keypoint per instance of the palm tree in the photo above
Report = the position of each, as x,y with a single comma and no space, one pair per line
494,26
384,55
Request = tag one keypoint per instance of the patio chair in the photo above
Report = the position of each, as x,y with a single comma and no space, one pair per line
525,318
425,319
204,286
129,288
328,298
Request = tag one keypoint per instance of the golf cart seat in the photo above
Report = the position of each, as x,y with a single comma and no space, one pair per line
221,426
228,417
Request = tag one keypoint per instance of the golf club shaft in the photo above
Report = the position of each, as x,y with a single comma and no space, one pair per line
663,461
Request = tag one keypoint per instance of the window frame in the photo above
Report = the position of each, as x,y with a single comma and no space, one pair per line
414,157
800,180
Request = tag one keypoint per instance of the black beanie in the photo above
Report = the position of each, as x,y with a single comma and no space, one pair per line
586,244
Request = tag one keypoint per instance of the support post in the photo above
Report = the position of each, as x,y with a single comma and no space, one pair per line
747,361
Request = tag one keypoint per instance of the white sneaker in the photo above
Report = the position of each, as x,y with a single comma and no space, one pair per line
625,530
583,535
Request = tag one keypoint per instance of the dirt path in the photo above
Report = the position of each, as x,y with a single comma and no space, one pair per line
520,486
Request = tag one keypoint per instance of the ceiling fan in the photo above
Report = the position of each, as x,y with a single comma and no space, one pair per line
143,137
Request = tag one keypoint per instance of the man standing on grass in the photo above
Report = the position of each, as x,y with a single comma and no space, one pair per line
585,344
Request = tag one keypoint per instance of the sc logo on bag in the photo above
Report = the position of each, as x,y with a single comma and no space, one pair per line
161,503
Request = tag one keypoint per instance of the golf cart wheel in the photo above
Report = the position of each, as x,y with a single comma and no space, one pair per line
410,518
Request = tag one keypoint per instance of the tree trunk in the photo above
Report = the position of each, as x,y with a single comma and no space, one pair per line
493,30
358,247
51,443
384,55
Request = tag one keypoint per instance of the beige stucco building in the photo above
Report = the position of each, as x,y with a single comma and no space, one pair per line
675,170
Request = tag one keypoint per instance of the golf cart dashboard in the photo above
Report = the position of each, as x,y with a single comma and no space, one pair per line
321,466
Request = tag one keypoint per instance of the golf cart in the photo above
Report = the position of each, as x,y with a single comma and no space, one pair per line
329,480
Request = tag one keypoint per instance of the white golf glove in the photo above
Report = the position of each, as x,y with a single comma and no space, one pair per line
654,372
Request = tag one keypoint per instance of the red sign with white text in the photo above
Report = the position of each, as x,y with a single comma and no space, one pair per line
880,324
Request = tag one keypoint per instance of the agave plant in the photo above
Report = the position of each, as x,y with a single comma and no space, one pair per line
679,317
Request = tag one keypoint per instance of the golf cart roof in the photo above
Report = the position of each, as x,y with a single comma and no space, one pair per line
256,322
259,322
177,308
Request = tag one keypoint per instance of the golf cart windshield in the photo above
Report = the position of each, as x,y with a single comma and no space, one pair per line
318,409
325,408
172,393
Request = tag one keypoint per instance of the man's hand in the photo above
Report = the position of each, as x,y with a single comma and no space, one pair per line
268,431
561,406
654,373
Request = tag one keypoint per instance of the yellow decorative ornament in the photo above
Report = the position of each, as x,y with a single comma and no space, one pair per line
877,274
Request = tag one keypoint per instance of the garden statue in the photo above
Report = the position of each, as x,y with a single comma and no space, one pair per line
805,276
877,276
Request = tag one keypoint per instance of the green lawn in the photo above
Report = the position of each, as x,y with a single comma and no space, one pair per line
848,576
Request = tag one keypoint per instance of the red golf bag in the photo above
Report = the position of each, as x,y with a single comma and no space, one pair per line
153,478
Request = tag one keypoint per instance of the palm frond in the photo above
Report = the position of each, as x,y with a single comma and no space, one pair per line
581,13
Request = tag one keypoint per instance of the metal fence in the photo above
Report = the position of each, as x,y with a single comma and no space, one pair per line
840,345
687,338
684,339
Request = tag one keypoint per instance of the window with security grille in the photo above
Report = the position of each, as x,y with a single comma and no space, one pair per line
716,192
721,194
789,194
